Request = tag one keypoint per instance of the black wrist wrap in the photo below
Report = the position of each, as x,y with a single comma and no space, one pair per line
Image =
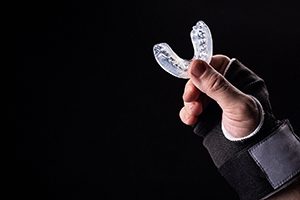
263,164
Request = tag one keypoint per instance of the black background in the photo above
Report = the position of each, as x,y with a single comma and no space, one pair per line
97,118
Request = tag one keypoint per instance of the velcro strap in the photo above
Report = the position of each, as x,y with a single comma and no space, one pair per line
278,156
265,167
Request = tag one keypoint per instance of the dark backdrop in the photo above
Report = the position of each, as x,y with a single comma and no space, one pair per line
97,118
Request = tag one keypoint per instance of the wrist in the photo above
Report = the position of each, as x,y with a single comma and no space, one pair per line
230,136
260,165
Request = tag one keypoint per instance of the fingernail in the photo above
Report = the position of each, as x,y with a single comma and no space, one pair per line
198,68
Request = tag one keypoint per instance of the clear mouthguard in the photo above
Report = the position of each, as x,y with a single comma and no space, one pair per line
173,64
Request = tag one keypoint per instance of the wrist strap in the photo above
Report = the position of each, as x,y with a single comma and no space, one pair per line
266,167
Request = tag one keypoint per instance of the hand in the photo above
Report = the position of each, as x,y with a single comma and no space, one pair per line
240,114
225,98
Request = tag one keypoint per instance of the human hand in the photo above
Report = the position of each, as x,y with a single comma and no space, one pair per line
240,112
228,105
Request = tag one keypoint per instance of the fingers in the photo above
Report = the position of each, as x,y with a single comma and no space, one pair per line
186,117
209,81
190,112
193,108
191,92
206,80
192,104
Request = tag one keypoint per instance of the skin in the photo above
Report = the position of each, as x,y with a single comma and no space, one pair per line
240,114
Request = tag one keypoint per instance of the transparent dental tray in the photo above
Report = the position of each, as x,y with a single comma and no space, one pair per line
173,64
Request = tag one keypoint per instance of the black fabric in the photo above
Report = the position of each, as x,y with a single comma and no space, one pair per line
245,177
248,82
209,122
252,182
221,149
238,168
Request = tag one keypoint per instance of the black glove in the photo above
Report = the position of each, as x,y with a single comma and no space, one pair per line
258,166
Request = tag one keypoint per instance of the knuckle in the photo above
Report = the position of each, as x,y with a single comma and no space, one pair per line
217,84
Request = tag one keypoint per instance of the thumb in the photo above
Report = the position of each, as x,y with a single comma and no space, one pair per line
214,84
